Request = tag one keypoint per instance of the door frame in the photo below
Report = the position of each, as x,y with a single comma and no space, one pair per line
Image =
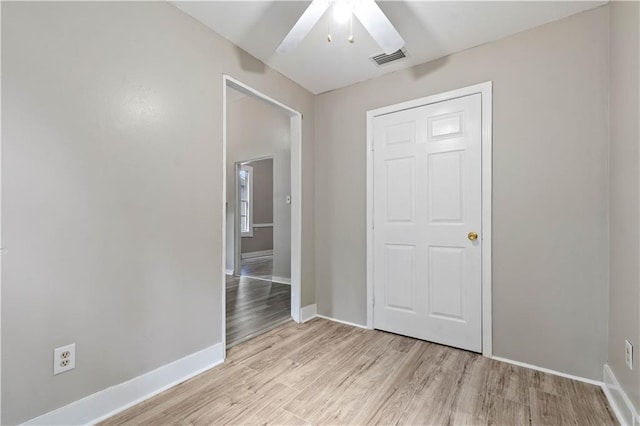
237,237
485,90
296,196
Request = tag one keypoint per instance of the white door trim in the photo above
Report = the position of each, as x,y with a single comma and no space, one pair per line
296,194
485,90
237,239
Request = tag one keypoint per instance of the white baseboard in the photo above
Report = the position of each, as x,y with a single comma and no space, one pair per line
108,402
260,253
618,399
548,371
308,312
228,271
343,322
281,280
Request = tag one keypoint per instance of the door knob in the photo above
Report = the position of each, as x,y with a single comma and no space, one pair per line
472,236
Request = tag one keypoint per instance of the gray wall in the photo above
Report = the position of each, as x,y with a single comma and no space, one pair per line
262,238
550,190
111,186
256,130
624,229
262,190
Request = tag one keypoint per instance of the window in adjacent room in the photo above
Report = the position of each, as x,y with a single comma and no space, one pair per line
245,177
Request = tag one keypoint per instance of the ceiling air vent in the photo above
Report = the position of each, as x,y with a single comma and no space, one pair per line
383,58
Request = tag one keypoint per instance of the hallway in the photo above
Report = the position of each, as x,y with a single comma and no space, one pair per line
254,304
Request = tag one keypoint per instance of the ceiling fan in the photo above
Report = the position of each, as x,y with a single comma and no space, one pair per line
366,11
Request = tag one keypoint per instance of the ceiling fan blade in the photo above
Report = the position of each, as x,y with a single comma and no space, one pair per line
378,25
309,18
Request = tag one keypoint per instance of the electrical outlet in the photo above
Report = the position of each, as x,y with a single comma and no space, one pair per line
64,358
628,354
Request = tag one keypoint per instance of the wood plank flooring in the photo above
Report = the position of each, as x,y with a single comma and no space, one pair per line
257,267
323,372
254,306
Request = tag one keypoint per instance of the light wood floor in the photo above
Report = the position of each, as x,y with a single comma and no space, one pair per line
323,372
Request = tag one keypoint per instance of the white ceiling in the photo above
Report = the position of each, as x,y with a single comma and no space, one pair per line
431,29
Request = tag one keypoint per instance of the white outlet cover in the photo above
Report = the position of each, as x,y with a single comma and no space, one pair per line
58,358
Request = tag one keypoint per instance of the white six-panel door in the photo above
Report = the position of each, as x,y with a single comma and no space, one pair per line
427,199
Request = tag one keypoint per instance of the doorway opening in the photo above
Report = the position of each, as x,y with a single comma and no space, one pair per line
262,230
262,213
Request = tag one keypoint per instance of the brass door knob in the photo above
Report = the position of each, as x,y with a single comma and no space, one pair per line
472,236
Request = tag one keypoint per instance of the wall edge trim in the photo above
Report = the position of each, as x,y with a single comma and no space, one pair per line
343,322
308,312
281,280
115,399
548,371
619,401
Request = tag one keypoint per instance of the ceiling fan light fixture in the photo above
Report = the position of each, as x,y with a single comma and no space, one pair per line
367,12
341,11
